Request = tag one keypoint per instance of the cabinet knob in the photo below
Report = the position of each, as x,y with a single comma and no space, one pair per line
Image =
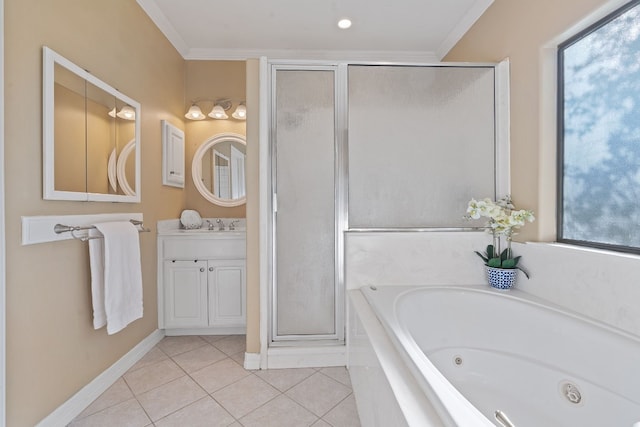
201,269
210,268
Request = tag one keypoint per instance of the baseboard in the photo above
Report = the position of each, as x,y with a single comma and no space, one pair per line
214,330
306,357
252,361
70,409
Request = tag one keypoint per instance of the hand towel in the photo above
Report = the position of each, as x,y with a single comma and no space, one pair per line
96,263
122,274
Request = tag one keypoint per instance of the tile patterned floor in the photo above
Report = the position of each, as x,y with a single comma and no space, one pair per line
199,381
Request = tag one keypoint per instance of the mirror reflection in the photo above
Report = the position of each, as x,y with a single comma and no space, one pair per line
126,169
219,169
100,137
90,133
70,154
223,169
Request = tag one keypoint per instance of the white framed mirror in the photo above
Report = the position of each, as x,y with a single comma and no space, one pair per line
218,169
89,129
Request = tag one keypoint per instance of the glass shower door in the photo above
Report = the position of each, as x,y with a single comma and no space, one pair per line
305,295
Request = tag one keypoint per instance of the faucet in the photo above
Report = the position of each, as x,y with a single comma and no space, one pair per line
220,224
211,226
232,226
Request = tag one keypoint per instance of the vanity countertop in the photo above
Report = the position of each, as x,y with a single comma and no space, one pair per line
172,227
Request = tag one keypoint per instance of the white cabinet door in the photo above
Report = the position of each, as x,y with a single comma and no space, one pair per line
227,288
172,155
185,294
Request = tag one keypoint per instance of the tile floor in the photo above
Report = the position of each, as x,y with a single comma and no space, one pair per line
193,381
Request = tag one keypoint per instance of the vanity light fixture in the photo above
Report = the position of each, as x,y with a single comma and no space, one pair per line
240,113
219,110
194,113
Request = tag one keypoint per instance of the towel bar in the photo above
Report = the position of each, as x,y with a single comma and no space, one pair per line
59,228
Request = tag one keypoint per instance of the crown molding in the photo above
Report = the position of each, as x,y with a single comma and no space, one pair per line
160,20
464,25
309,54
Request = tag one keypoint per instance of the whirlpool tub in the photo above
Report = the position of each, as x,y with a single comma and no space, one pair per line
470,356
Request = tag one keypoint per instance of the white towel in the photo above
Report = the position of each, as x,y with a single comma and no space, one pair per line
116,276
96,263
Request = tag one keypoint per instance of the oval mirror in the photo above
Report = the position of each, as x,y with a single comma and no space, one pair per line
218,169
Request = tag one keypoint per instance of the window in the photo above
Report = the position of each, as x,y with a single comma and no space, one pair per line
599,133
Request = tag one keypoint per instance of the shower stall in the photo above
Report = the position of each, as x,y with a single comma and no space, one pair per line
368,148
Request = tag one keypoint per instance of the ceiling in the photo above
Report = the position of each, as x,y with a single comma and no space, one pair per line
382,30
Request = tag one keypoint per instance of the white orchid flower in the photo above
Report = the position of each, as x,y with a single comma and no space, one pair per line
503,217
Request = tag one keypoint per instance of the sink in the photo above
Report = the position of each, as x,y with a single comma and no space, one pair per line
173,227
206,230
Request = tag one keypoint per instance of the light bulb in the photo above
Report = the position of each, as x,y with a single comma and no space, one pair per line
218,113
240,113
127,113
194,113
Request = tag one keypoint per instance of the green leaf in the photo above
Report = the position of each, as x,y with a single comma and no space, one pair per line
490,253
484,258
494,262
509,263
523,271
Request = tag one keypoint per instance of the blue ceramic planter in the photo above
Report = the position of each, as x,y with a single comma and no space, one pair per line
501,278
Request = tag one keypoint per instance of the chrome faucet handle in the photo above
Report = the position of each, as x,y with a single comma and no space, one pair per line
220,224
210,226
232,226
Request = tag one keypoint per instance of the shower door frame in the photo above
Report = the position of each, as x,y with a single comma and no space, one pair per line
340,198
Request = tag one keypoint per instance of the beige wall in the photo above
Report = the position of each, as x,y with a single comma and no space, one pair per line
253,207
52,349
519,30
211,80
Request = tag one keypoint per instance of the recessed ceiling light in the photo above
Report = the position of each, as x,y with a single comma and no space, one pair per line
344,23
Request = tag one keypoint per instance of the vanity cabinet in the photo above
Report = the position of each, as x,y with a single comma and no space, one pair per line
185,294
226,296
202,283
